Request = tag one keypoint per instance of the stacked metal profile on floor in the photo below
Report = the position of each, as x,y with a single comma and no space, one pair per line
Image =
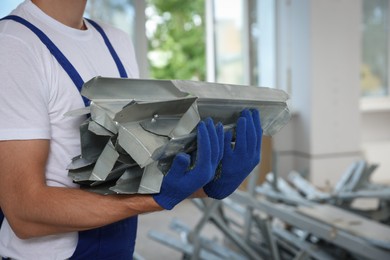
137,126
292,219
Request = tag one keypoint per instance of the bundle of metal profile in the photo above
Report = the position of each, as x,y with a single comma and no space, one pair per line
136,127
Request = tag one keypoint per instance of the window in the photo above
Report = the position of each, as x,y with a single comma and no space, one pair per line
119,13
375,48
229,41
263,42
176,39
244,44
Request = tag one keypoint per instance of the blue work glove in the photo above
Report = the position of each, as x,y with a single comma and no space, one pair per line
239,161
180,181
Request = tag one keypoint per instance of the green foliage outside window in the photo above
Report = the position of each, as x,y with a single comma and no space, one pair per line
176,39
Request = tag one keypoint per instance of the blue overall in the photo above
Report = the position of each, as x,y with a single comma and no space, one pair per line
117,240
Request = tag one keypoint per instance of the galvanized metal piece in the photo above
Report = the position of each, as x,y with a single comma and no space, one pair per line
78,112
271,102
151,180
129,182
291,225
102,188
273,115
313,250
138,143
105,163
117,89
80,174
207,244
91,144
100,113
284,187
373,232
344,178
183,247
79,162
83,175
305,187
323,230
147,122
211,213
98,129
354,179
114,174
383,194
160,125
187,122
140,111
125,158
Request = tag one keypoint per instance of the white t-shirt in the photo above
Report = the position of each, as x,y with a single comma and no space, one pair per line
36,92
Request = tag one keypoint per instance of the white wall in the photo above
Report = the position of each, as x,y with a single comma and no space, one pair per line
375,137
319,66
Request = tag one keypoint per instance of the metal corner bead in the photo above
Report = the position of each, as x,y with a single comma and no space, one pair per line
152,120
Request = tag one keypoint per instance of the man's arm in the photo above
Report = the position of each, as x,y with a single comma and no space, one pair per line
34,209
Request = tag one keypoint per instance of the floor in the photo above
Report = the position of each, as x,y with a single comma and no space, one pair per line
149,249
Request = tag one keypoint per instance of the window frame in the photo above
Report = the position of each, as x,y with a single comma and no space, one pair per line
370,104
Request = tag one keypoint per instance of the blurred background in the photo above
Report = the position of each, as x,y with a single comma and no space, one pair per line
330,56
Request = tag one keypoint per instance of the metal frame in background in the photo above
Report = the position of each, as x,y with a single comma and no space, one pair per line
282,221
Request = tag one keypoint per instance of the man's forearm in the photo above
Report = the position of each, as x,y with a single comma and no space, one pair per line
44,212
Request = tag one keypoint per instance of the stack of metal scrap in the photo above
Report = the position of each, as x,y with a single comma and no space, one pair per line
136,127
291,219
353,192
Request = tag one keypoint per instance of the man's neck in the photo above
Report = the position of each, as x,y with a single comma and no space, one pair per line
68,12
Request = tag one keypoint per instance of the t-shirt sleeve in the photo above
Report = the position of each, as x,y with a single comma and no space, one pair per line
23,93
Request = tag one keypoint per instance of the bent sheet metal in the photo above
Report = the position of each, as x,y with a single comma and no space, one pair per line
138,125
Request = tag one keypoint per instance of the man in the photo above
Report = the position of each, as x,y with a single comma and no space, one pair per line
47,51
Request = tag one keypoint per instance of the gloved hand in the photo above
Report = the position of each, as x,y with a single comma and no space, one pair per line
180,181
239,161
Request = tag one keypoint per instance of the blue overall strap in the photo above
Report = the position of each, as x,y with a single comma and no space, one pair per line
118,62
60,57
1,217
